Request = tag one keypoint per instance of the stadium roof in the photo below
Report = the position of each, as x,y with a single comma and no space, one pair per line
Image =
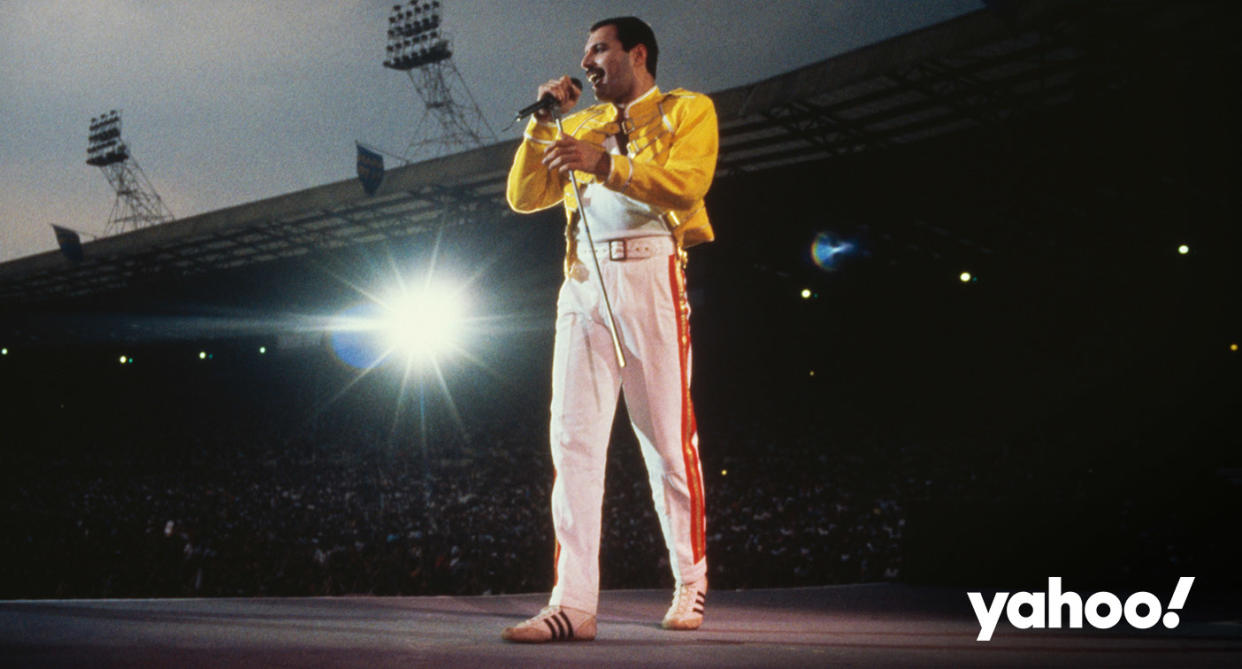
977,70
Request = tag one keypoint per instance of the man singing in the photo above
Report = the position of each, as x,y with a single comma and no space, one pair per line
644,160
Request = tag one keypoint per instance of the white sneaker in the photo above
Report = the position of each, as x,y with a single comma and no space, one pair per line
686,613
554,623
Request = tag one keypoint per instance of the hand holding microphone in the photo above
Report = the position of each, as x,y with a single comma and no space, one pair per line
557,94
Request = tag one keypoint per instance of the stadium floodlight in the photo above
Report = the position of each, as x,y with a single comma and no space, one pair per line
411,27
418,45
105,146
137,204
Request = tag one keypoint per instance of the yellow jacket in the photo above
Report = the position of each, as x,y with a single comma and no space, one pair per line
671,159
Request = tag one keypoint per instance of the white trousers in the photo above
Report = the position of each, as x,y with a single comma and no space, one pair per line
649,302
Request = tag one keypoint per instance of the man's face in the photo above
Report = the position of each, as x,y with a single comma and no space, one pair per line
609,67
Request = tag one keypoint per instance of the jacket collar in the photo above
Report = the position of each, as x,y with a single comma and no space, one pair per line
641,108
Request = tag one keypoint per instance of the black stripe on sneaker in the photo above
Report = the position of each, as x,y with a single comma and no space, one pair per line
569,629
552,627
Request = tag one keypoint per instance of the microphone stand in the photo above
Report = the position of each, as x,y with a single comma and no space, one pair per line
612,323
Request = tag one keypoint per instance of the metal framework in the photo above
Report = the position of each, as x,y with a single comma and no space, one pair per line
137,205
451,119
978,71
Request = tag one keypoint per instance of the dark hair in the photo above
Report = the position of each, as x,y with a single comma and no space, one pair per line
632,31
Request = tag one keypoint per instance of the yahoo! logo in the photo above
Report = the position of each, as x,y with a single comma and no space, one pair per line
1102,610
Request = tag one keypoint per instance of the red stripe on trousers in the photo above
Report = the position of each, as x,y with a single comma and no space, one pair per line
694,478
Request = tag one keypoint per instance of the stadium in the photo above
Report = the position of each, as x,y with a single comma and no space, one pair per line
969,323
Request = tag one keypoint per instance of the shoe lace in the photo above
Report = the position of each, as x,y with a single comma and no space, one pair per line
683,599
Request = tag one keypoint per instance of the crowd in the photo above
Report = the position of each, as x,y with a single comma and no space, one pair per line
291,490
269,496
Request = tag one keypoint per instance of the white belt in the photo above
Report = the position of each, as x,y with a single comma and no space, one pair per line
635,248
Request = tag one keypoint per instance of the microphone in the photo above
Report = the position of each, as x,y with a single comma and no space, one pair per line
548,101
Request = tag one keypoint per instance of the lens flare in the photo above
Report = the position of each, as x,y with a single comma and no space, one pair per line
354,336
828,252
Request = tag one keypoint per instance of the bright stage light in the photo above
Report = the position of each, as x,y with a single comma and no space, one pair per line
1183,249
965,277
415,325
424,323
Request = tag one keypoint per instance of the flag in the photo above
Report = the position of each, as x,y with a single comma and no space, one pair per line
70,243
370,169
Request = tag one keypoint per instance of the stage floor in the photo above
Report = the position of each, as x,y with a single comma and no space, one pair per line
843,626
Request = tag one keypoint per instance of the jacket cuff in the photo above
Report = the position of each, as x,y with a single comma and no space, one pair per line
540,133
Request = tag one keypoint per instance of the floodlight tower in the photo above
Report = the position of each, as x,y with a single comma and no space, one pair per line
417,47
137,205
